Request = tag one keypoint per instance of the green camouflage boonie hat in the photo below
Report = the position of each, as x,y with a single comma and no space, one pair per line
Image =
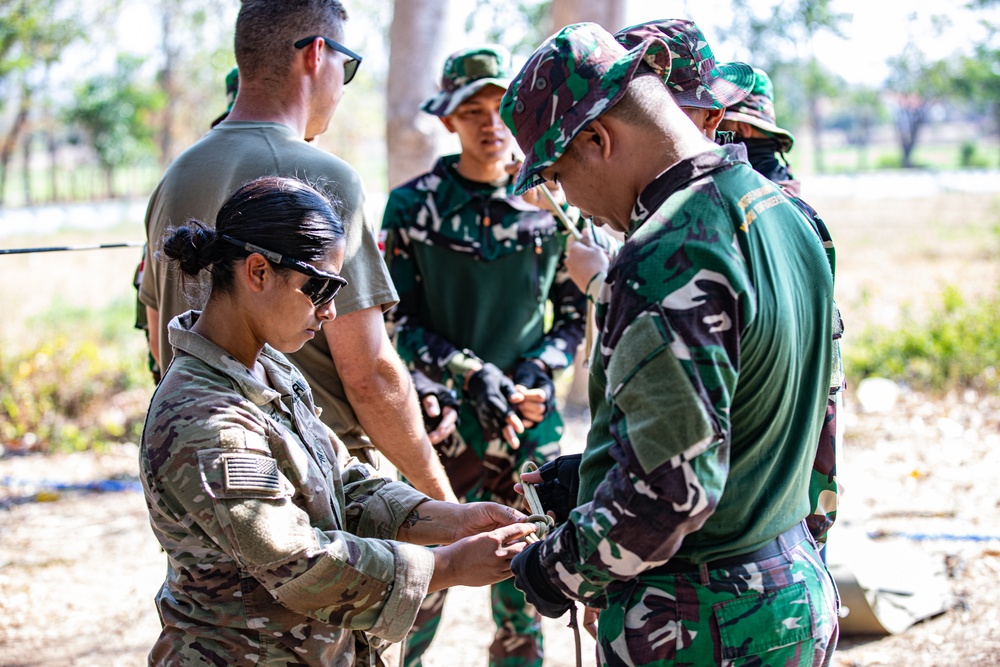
757,109
695,79
573,78
467,72
232,87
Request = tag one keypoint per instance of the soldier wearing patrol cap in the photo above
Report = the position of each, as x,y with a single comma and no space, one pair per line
708,379
476,268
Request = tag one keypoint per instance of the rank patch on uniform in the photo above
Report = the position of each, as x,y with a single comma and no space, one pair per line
246,472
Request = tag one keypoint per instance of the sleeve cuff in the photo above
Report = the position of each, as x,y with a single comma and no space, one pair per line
413,569
594,286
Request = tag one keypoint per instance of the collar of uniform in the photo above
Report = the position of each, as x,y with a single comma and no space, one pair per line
680,175
450,195
278,369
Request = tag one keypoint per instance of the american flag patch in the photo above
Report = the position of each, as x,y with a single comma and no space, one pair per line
246,472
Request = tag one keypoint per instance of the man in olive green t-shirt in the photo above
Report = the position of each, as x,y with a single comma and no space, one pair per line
290,85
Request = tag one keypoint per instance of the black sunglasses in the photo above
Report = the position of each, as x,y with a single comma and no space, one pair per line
321,286
350,65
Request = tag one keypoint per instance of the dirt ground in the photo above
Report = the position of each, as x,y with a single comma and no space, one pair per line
79,569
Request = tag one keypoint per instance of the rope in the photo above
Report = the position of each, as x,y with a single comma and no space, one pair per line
97,246
576,635
543,522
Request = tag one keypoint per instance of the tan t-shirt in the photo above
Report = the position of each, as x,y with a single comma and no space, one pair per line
202,178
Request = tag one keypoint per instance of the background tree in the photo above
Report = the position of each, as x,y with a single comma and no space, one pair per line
114,111
608,13
781,42
977,78
417,49
195,53
916,85
31,40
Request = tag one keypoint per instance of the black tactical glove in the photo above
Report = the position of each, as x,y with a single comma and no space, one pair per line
428,387
560,485
489,390
531,579
530,375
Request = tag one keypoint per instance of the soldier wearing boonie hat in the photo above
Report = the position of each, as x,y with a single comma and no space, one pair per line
755,125
475,267
708,379
465,73
701,87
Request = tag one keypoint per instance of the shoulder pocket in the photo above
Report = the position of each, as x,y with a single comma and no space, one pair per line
663,415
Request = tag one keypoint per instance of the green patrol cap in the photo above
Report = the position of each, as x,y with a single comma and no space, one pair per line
232,87
757,109
695,80
573,78
467,72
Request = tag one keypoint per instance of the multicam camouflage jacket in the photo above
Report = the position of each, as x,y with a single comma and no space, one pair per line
708,380
278,546
474,266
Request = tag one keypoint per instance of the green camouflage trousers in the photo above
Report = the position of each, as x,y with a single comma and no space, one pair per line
486,471
778,612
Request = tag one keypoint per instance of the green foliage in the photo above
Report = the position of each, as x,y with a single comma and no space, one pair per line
84,385
957,344
115,111
969,158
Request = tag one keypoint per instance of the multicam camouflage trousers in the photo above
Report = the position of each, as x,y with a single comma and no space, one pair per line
482,470
781,611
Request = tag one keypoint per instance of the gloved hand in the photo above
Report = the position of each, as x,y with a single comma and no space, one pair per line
490,390
445,398
532,579
560,485
530,375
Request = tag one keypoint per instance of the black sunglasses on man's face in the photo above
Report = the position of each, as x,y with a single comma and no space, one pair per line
321,286
350,65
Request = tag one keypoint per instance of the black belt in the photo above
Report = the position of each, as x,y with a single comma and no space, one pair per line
775,547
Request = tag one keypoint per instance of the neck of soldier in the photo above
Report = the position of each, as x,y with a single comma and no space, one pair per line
482,169
646,152
259,104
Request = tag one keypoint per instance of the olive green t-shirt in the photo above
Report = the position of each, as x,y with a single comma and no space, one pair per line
202,178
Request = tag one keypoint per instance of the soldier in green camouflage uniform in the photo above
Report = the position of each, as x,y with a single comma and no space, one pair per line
281,550
475,267
715,95
708,380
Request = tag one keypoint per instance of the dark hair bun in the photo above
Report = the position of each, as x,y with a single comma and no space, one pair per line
191,246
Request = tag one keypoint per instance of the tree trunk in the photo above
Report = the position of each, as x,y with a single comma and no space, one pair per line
53,164
26,169
417,49
608,13
166,77
20,120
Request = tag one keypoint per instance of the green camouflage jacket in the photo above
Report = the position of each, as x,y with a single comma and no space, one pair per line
474,266
708,381
277,545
